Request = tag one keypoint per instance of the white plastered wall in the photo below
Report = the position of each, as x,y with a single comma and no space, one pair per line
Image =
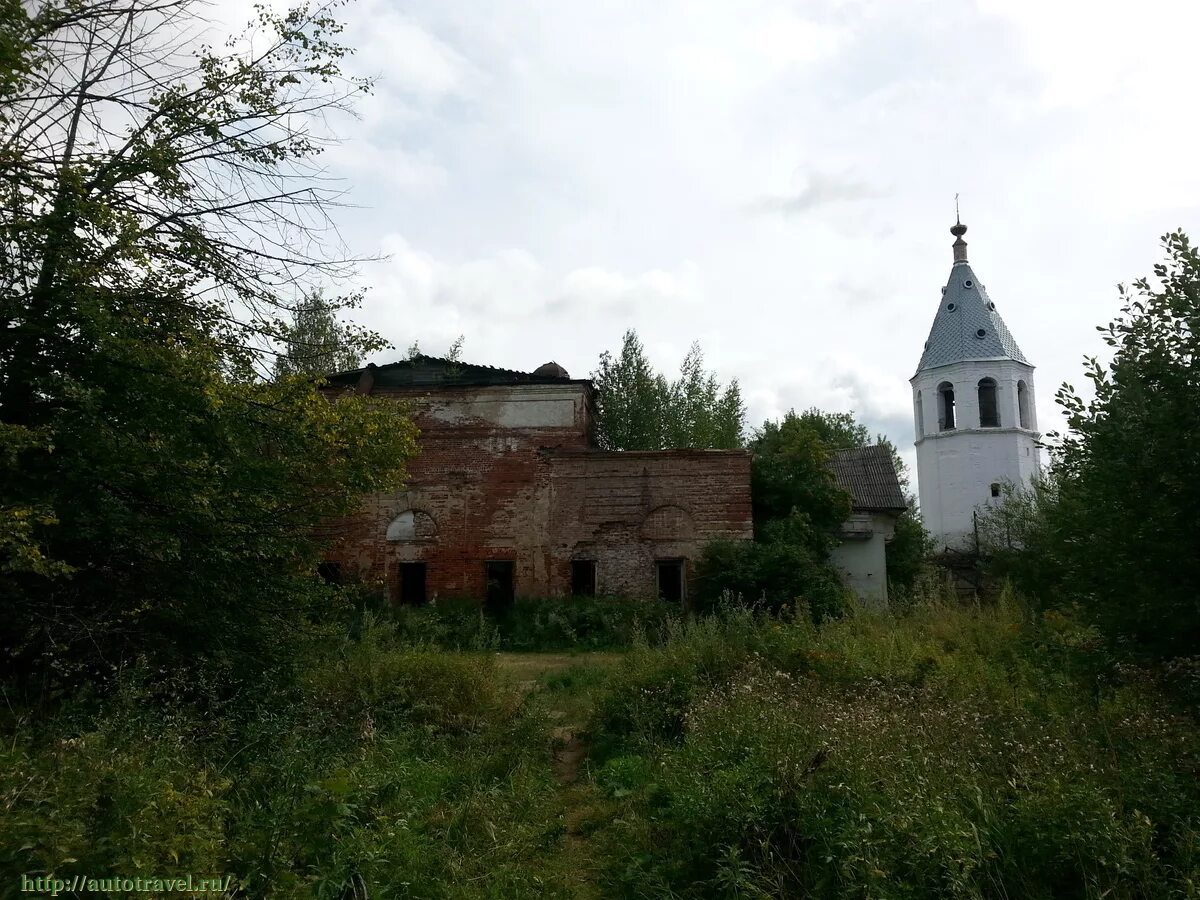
956,468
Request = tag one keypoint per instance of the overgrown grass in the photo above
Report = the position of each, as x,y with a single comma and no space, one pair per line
405,771
942,752
577,623
948,753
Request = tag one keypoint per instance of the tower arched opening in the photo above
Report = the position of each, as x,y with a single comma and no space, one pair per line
989,408
945,406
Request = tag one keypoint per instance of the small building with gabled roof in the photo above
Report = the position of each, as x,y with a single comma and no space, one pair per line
868,475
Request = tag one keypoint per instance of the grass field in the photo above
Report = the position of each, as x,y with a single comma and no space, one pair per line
946,752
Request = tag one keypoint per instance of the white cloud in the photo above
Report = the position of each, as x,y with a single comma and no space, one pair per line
561,172
509,299
409,59
820,189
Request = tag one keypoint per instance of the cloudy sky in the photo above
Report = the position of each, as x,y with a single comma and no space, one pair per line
773,179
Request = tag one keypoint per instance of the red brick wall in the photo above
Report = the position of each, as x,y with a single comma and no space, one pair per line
627,509
506,473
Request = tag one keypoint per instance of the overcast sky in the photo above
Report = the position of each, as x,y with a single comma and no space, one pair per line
773,179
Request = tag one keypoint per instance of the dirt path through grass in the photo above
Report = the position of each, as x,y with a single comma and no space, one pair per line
564,683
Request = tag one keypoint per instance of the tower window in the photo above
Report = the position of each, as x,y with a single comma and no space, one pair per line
1023,403
995,489
920,417
945,406
989,410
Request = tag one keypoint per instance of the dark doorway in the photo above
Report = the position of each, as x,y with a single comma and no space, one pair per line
412,583
331,573
500,593
670,580
583,578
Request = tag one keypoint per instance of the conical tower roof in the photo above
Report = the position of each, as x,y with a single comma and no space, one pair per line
967,326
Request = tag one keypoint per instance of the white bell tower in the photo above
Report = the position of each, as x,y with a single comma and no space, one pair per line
976,421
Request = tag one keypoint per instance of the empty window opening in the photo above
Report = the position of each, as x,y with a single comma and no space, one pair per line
920,416
500,591
1023,403
583,578
995,489
945,406
412,583
330,573
669,573
989,410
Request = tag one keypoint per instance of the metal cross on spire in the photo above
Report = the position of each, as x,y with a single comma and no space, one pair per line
958,230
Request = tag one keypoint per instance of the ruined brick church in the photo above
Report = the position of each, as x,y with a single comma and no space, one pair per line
510,496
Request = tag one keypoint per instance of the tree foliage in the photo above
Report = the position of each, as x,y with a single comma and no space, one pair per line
792,480
910,546
161,198
1115,526
798,511
316,342
699,412
639,409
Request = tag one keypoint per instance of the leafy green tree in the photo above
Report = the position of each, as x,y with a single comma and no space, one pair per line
315,342
698,412
639,409
160,499
1125,521
910,546
792,482
1020,541
629,399
768,574
798,511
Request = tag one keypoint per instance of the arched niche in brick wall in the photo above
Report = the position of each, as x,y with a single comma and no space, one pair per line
412,525
668,523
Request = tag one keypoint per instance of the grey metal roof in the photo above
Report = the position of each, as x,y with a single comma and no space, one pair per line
965,312
430,371
868,475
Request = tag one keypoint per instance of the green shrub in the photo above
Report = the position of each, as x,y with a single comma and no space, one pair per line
947,752
648,694
827,789
578,623
768,575
950,752
387,769
377,682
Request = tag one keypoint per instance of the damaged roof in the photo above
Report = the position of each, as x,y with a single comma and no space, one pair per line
869,476
432,371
